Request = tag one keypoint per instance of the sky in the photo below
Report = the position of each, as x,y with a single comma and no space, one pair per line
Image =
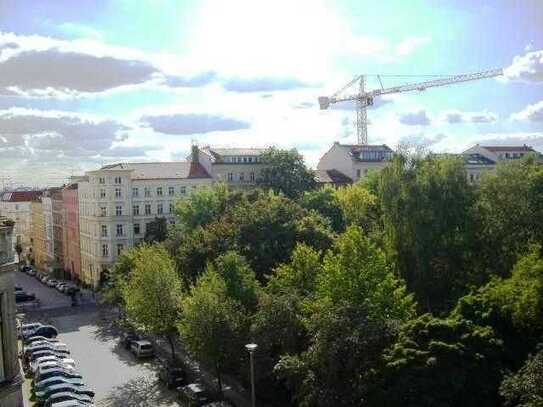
90,82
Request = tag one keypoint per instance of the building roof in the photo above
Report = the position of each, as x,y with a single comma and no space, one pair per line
496,149
21,196
477,159
162,170
221,152
332,177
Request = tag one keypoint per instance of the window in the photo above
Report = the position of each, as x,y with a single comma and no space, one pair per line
118,210
135,210
120,248
358,173
159,209
117,192
105,250
147,192
102,193
101,180
135,192
471,177
137,230
252,176
171,191
230,176
117,180
171,207
147,209
104,231
119,230
159,191
250,159
365,172
242,176
183,190
103,211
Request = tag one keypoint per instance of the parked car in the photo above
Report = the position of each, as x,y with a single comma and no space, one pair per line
56,380
31,272
71,290
78,389
172,376
64,396
24,268
48,331
194,395
72,403
37,338
52,282
222,403
46,373
52,360
21,296
142,349
18,288
127,338
28,328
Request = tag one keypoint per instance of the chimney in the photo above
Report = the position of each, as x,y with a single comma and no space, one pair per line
195,156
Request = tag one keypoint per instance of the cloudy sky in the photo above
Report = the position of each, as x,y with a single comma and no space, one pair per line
88,82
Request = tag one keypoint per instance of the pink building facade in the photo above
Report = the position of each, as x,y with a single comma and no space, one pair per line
71,248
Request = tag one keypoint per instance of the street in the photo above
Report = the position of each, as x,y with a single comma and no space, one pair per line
111,371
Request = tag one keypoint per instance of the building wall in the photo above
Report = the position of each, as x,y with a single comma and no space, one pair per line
21,214
58,225
10,377
39,248
100,243
70,243
48,220
236,174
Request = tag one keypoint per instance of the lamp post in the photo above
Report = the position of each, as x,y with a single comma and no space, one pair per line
251,348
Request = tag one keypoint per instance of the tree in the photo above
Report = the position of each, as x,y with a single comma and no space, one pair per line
112,290
325,202
513,307
525,387
510,210
153,292
440,362
202,207
284,171
354,313
156,230
214,326
359,206
429,227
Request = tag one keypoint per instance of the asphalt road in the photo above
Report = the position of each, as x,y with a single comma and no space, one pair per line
49,297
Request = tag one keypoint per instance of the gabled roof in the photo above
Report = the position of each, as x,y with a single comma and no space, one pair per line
332,177
497,149
477,159
21,196
222,152
162,170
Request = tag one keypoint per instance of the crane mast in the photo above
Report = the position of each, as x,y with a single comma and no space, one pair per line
365,98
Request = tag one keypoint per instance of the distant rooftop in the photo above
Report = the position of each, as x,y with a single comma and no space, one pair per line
222,152
332,177
161,170
21,196
477,159
523,148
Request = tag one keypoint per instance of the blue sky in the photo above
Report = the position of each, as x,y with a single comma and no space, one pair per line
88,82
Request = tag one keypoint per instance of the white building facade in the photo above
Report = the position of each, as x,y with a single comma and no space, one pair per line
117,202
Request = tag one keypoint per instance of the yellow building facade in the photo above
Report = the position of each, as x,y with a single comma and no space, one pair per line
38,238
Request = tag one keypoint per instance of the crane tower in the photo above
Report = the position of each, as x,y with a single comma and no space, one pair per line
364,98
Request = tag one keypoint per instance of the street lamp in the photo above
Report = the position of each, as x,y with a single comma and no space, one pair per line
251,348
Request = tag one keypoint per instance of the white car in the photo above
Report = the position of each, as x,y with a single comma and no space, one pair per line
78,389
38,338
37,346
49,362
65,396
27,329
72,403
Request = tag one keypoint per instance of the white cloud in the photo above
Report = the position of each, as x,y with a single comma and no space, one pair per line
456,116
421,139
534,140
532,113
415,118
410,45
192,123
526,68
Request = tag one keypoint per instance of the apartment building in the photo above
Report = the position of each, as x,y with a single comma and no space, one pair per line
47,207
10,375
237,167
352,161
480,159
71,250
38,236
17,206
117,202
58,225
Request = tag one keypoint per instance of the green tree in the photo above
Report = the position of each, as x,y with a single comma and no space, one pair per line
359,206
429,227
510,209
112,290
512,306
203,206
214,325
284,171
156,230
440,362
153,293
325,202
525,387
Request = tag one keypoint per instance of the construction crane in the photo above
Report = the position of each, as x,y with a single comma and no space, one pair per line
365,98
